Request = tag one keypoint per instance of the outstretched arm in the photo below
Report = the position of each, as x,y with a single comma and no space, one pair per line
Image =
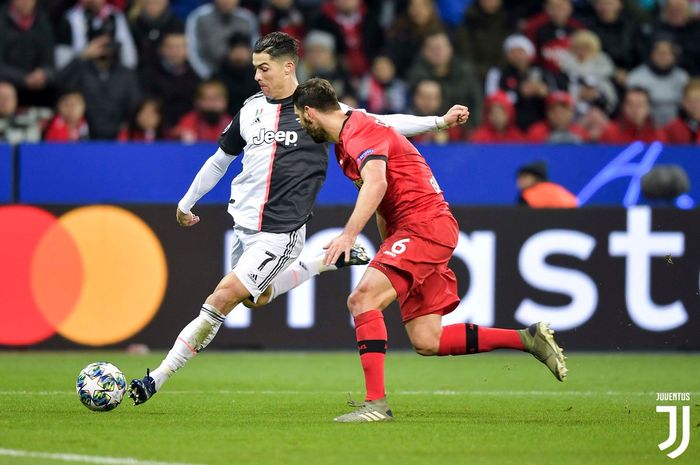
410,125
371,194
207,177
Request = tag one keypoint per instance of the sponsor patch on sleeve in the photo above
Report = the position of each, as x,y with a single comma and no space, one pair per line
365,154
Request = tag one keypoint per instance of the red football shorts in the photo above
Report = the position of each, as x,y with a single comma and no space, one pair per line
415,259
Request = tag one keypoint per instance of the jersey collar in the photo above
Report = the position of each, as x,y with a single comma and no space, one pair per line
349,113
279,101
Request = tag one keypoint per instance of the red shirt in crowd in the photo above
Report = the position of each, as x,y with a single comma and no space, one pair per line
487,133
137,135
623,132
58,130
192,128
356,61
539,132
679,131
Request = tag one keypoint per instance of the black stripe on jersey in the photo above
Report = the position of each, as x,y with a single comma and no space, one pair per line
373,157
283,259
298,171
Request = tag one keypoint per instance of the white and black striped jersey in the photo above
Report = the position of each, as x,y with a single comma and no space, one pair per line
283,168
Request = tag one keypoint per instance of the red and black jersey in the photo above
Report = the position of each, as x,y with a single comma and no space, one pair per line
412,194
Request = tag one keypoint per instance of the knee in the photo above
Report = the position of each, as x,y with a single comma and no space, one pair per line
224,299
263,300
425,343
358,302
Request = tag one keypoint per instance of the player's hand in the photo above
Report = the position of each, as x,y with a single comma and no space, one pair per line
458,114
339,245
186,219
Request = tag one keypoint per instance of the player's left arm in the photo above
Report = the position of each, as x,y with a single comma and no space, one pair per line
411,125
372,192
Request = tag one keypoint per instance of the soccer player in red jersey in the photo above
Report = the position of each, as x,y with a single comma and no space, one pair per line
419,235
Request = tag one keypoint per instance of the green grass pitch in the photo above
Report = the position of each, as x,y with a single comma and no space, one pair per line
277,408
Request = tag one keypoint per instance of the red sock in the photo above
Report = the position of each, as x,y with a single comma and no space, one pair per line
468,338
371,341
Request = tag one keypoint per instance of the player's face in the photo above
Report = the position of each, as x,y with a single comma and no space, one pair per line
310,126
270,74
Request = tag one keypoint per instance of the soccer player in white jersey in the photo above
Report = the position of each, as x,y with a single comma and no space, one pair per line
271,200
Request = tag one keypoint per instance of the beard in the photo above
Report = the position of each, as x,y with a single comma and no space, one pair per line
317,134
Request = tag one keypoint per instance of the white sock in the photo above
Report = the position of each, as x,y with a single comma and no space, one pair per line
298,273
191,340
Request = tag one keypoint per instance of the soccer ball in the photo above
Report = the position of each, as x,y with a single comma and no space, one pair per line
101,386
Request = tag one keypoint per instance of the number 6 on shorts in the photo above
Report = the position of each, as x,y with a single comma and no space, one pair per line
399,247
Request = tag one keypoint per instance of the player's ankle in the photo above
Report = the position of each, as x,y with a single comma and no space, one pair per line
318,264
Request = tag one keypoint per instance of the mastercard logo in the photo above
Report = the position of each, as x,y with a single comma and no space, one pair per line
96,275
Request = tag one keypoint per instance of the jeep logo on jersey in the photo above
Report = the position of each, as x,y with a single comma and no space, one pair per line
285,137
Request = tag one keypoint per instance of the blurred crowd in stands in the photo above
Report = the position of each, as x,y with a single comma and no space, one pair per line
552,71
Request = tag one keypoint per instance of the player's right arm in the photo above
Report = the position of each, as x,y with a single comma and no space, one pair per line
230,145
411,125
374,186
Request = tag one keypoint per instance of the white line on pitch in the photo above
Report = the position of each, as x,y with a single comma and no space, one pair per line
98,459
408,393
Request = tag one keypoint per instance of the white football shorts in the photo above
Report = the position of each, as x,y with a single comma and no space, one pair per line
259,257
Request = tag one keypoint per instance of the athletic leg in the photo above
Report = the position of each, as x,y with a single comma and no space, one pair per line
429,338
201,331
193,338
304,269
259,258
366,303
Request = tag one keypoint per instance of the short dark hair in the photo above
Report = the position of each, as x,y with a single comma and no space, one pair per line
316,93
277,45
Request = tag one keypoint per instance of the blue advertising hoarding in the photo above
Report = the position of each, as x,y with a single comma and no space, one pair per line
469,174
